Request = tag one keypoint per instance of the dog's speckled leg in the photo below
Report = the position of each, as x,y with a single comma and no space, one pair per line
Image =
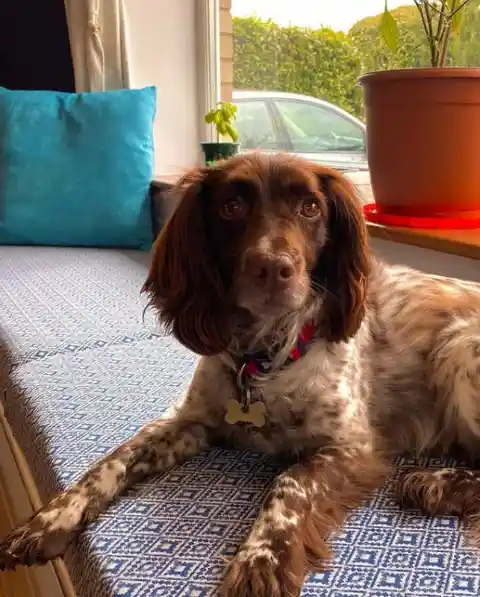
156,447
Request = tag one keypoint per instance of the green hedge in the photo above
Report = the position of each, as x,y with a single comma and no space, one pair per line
318,62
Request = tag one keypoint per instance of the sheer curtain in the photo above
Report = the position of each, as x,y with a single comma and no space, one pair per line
99,44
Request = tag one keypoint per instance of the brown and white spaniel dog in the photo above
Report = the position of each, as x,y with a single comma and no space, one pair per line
311,350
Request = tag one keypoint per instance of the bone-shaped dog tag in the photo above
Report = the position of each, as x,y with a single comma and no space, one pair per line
255,414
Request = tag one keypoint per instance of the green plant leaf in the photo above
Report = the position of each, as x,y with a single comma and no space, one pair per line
231,132
223,115
457,20
389,30
230,109
222,128
210,117
226,112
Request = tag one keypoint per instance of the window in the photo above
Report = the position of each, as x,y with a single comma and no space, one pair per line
255,126
313,128
303,60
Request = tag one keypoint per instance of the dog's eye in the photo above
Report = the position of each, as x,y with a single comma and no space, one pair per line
309,208
233,209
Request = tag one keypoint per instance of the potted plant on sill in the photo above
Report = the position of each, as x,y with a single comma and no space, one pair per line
222,117
423,129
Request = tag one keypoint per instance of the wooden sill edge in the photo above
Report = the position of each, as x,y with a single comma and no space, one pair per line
464,243
53,579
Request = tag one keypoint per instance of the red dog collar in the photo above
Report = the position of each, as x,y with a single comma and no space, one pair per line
259,363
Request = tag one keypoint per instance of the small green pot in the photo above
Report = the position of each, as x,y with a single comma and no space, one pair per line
218,151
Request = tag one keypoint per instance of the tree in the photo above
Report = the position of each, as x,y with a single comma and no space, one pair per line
412,45
465,49
375,55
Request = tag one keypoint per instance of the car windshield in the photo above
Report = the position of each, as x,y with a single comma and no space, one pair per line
317,128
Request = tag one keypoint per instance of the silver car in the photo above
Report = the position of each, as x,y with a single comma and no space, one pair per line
273,121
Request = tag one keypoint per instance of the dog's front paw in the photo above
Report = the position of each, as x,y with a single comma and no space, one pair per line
262,573
42,538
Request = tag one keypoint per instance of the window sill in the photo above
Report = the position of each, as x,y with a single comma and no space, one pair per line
465,243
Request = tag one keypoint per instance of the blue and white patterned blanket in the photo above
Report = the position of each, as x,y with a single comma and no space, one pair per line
83,372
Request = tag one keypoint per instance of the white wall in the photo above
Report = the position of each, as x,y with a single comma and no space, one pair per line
163,53
432,262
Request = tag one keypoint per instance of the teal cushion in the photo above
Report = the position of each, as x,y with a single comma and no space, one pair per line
75,168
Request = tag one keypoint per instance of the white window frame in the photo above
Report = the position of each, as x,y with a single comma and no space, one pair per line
207,19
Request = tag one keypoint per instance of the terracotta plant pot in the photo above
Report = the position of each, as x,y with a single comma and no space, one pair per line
423,141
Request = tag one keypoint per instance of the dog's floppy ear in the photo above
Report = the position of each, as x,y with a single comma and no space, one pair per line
183,283
342,267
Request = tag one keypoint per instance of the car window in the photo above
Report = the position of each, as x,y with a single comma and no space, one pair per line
255,126
315,128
